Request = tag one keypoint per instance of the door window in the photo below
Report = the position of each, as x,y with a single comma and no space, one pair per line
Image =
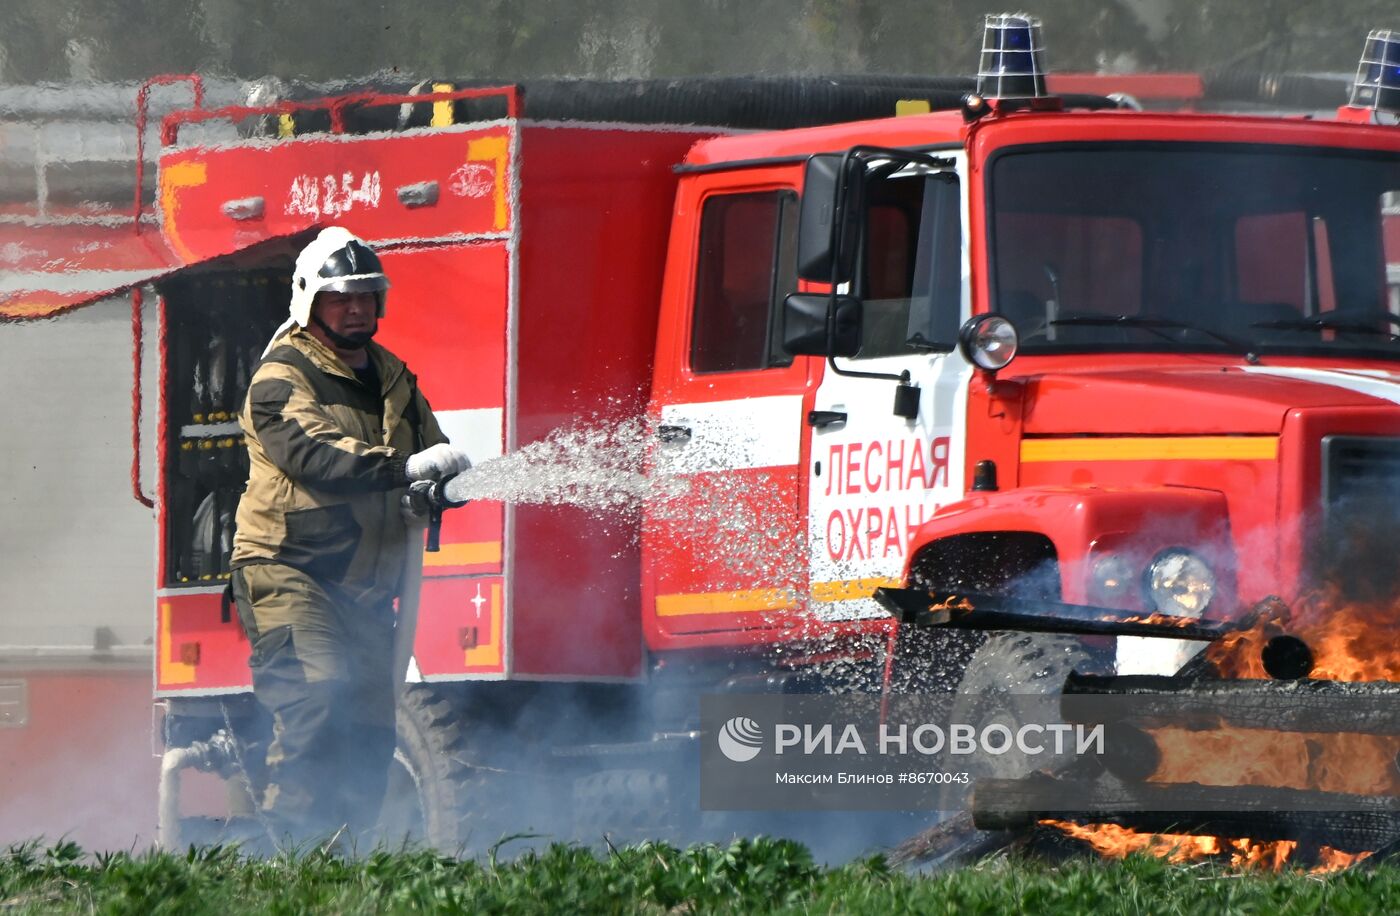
1390,228
747,267
912,278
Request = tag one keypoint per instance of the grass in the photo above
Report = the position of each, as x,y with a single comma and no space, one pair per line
747,876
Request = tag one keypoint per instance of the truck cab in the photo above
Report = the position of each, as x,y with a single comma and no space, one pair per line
1202,405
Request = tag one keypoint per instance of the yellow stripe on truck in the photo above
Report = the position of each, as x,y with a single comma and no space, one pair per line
174,178
468,554
495,150
170,671
740,602
849,589
756,600
1152,448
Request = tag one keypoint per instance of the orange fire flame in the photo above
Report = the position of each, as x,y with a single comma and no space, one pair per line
952,603
1350,641
1162,619
1117,842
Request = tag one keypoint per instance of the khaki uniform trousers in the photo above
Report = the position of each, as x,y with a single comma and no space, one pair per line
323,668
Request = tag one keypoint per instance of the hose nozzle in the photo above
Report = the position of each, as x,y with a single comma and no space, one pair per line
431,497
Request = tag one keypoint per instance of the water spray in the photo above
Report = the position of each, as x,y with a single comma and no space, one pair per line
602,467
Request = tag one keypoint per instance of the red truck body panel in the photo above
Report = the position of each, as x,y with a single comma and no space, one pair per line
595,208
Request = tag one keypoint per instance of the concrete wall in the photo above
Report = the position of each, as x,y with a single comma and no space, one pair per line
77,552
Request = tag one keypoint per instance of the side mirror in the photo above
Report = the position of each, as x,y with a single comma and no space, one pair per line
825,208
804,325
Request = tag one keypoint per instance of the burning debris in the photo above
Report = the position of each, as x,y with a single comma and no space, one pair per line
1279,744
1341,636
1159,620
942,610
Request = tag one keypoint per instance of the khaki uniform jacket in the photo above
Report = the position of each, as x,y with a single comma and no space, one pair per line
325,475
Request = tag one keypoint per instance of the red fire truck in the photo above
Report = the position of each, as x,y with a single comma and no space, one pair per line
1009,341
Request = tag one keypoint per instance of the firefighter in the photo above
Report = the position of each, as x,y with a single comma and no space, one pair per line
336,430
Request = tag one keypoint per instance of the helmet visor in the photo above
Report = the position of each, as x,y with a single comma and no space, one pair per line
373,283
354,259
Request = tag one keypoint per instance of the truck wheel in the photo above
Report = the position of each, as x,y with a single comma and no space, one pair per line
1007,665
627,806
433,789
990,563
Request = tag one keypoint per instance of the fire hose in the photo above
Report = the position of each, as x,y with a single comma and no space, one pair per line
426,499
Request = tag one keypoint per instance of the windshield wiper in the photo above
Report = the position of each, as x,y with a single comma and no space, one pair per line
1342,321
1156,326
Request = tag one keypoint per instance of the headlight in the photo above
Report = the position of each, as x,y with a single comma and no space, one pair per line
1180,583
1113,579
988,341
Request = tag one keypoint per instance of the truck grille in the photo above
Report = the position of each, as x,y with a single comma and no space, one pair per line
1357,468
1360,515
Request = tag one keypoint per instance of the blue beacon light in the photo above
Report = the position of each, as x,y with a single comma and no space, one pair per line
1377,84
1012,63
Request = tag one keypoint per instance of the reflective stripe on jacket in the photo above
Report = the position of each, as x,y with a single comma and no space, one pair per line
326,473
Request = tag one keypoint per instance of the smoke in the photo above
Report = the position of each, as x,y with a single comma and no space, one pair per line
558,763
80,766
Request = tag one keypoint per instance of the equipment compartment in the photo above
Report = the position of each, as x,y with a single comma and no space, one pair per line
216,326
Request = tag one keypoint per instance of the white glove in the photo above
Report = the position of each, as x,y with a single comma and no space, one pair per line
435,463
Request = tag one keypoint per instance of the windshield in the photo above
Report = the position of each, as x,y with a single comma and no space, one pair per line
1197,247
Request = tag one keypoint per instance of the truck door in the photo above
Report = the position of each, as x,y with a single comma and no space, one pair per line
873,477
728,401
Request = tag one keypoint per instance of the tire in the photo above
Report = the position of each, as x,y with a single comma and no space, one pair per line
434,791
991,563
1005,666
627,806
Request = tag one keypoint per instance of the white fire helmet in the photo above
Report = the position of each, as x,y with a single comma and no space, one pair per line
335,261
